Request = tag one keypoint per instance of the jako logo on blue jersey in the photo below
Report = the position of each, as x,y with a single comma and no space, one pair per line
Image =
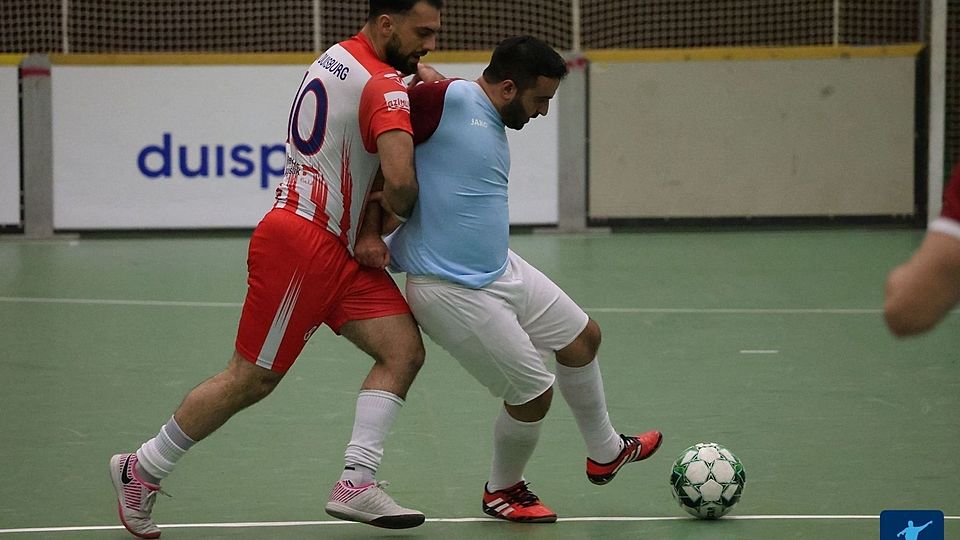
212,160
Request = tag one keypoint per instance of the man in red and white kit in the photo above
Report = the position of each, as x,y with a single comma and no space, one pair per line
351,117
921,291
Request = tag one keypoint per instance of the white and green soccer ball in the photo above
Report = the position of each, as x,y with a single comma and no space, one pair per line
707,480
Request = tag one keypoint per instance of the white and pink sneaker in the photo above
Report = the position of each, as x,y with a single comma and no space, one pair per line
135,497
370,504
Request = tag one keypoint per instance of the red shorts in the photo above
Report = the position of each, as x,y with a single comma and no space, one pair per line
300,276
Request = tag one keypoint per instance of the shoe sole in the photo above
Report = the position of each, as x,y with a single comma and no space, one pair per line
118,488
403,521
605,479
545,519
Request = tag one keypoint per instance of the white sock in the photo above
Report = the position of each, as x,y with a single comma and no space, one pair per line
376,412
159,455
582,389
513,444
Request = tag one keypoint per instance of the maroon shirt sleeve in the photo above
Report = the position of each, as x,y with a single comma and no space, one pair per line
426,108
951,196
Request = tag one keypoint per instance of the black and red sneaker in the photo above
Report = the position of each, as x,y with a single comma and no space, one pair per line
517,503
636,448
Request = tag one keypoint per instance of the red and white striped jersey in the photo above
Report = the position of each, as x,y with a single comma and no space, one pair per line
949,220
347,99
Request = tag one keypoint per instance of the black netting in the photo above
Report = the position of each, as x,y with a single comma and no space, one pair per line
288,25
203,26
953,87
115,26
480,25
876,22
340,20
469,25
28,26
693,23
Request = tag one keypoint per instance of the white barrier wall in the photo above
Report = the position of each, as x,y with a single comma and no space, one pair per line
9,143
167,147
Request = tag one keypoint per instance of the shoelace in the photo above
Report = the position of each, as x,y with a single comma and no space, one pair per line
152,493
521,495
150,498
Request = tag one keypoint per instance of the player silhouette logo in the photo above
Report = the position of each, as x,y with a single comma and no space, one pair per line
911,532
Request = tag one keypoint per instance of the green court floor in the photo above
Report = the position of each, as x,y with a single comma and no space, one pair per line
769,342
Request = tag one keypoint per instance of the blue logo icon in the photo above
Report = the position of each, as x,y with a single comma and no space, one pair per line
911,525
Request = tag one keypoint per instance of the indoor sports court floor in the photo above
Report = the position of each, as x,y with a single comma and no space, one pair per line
769,342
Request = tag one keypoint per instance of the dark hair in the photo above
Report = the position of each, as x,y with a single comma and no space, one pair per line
522,59
381,7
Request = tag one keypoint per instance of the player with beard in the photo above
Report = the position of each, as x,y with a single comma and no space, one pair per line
350,117
492,311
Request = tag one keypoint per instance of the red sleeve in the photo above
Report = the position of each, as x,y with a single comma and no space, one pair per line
951,196
384,106
426,108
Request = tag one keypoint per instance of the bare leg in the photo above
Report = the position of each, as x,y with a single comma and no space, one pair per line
206,408
395,345
209,405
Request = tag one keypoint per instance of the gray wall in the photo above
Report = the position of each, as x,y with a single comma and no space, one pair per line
753,137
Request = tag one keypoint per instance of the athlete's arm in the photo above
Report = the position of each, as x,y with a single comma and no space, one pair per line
921,292
400,186
379,219
370,249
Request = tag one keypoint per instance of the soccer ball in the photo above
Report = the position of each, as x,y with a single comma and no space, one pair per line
707,480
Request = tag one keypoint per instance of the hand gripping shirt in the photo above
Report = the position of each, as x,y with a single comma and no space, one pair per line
459,230
347,99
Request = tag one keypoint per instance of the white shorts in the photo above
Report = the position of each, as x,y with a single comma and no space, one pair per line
503,333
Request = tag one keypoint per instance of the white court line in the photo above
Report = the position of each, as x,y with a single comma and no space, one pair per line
745,311
720,311
268,524
184,303
759,351
116,302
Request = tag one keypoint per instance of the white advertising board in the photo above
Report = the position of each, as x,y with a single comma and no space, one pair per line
174,147
9,146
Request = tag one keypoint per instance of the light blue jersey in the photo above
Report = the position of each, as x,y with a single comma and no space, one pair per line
459,230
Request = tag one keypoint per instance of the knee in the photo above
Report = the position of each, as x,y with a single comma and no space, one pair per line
249,382
534,410
543,402
409,358
583,349
417,356
261,387
591,336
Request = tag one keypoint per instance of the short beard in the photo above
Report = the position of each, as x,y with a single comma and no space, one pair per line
396,60
514,117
